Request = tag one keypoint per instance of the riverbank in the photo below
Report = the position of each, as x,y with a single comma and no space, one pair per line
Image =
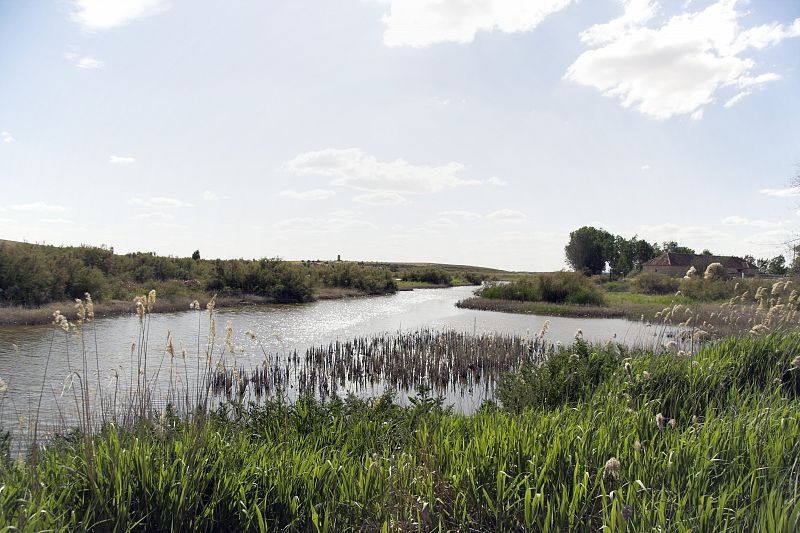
715,315
594,438
26,316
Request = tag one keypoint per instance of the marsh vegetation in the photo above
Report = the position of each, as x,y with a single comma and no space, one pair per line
577,437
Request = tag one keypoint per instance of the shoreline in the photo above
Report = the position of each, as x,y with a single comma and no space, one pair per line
18,316
704,314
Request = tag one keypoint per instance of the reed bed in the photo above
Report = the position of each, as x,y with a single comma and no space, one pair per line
444,362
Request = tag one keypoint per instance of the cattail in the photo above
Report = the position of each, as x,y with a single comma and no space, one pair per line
611,469
628,368
81,310
660,421
141,306
61,321
211,304
170,347
673,423
229,336
151,300
545,327
89,306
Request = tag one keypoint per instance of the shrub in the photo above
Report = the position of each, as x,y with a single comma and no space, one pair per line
437,276
557,287
654,283
706,290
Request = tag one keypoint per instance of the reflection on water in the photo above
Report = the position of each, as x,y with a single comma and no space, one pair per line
282,330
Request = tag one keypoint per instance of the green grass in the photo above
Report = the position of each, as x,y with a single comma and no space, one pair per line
730,463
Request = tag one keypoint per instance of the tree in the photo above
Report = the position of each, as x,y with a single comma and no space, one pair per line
589,249
777,266
707,252
196,255
673,247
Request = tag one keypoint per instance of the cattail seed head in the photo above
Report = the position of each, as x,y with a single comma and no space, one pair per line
660,420
611,469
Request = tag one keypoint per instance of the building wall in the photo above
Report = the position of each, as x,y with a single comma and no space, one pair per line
680,271
673,271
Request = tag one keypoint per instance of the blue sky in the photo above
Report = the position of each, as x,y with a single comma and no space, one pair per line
423,130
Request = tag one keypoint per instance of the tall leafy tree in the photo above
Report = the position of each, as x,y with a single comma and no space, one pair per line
589,249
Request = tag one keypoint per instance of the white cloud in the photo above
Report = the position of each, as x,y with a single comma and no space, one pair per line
106,14
312,194
464,215
441,223
646,167
732,101
501,215
39,207
331,224
158,216
677,67
497,182
424,22
381,198
785,192
210,196
506,215
121,160
88,63
742,221
353,168
698,237
7,221
159,202
7,137
57,221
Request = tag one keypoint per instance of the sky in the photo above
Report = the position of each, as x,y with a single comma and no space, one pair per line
477,132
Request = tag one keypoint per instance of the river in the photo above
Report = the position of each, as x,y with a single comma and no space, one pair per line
282,329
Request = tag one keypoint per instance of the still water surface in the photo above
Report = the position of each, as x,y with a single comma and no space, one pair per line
283,329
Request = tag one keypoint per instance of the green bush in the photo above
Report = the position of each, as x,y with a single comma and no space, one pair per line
556,287
435,275
654,283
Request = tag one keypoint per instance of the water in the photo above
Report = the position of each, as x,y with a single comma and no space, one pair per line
282,329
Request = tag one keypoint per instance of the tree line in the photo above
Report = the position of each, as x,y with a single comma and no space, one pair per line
33,274
593,250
